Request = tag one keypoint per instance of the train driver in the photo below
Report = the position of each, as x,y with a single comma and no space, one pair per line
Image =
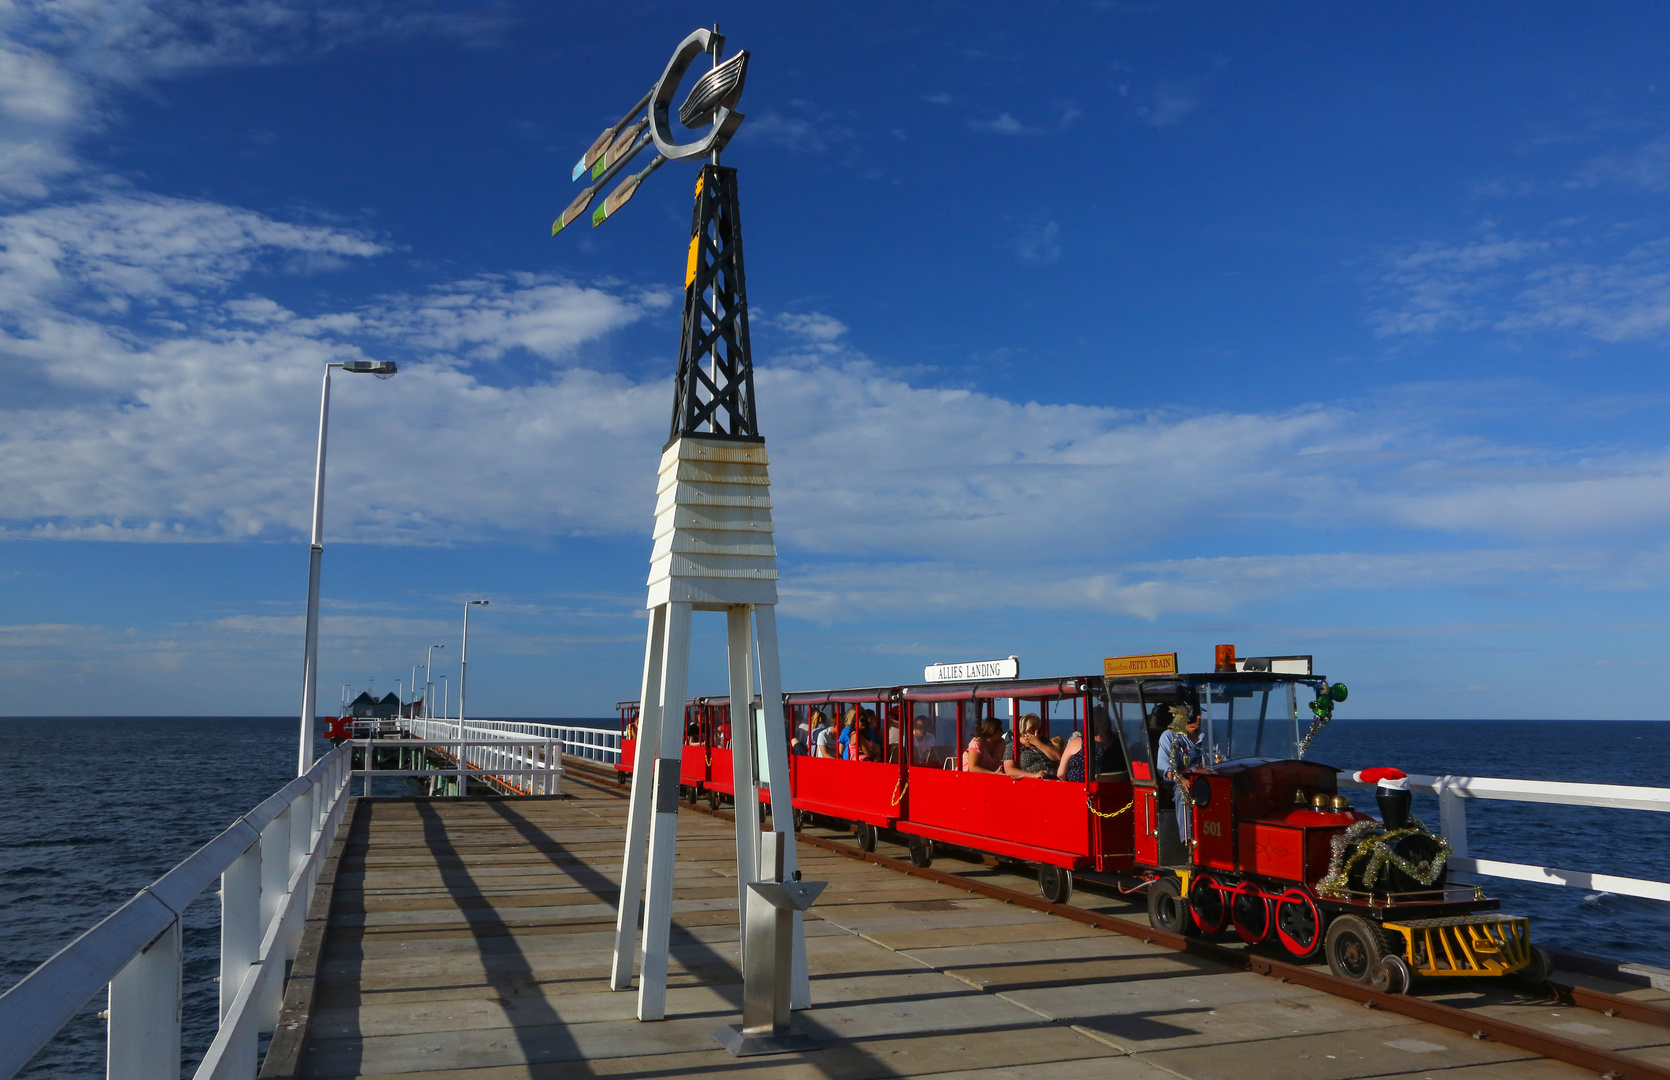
1178,752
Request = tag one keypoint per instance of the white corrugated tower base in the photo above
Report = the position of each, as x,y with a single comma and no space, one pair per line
713,552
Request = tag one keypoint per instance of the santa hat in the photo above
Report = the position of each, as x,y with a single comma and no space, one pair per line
1385,777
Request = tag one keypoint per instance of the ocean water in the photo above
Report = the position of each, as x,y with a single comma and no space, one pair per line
92,810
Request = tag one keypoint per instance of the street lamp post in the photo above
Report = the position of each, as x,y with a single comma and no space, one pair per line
429,682
464,661
414,684
383,369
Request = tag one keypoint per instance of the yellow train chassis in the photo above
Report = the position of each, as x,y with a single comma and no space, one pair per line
1489,945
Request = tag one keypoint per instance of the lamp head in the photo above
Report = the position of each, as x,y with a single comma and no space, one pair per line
383,369
483,603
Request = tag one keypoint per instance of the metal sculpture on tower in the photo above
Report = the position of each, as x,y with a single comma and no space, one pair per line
713,551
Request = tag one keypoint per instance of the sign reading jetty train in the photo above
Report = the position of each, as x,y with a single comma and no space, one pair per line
1164,663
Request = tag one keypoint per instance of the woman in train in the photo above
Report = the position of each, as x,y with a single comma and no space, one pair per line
1035,756
984,752
822,737
1108,757
862,745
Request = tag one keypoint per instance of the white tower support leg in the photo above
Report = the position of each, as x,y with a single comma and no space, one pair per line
782,809
739,637
675,670
637,818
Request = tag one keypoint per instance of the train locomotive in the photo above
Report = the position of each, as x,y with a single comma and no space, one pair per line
1272,851
1247,838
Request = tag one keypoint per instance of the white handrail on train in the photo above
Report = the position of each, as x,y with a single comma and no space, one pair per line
268,862
1454,791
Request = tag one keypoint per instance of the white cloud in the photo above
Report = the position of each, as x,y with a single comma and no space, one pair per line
61,60
1513,286
150,395
1004,123
816,133
1172,101
488,316
1039,245
1646,168
813,327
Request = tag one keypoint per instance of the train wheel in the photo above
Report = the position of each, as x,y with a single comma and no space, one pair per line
1354,948
1250,913
1167,910
1535,974
712,799
1055,884
866,836
1208,905
1391,975
1299,924
689,794
799,820
921,851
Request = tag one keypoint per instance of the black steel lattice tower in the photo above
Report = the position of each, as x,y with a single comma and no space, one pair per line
714,394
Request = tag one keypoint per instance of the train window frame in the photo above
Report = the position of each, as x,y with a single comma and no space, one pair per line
1219,712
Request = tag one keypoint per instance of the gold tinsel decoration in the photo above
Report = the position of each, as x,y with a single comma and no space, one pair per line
1371,840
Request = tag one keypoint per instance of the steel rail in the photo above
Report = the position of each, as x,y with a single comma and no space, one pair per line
1610,1064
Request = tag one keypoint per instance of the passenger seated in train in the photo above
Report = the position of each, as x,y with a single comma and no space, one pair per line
921,743
984,752
845,740
1036,755
693,734
631,731
823,737
861,743
1108,757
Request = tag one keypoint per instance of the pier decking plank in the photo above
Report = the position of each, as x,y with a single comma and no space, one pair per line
471,939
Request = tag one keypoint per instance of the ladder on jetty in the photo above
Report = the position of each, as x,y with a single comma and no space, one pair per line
341,886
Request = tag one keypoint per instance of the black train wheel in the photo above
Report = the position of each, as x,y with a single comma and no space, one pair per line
921,851
1167,910
1055,884
1354,947
866,836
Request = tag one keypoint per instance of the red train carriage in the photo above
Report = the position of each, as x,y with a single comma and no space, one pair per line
705,762
1270,852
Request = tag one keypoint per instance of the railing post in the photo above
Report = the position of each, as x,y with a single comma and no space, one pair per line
240,922
301,844
1452,822
275,879
144,1026
369,758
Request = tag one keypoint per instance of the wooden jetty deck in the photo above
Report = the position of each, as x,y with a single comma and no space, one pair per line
471,939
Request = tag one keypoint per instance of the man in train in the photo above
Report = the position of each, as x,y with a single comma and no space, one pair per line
1178,752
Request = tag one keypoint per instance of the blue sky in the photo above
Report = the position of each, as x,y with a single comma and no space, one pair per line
1080,330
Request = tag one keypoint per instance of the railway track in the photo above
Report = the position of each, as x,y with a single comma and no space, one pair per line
1609,1064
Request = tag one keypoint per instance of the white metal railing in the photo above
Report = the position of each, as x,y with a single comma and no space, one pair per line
1454,791
268,862
589,743
525,766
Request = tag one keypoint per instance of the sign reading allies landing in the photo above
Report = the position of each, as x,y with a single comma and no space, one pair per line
1164,663
1007,668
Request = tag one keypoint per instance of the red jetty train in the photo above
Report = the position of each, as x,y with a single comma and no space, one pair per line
1274,852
